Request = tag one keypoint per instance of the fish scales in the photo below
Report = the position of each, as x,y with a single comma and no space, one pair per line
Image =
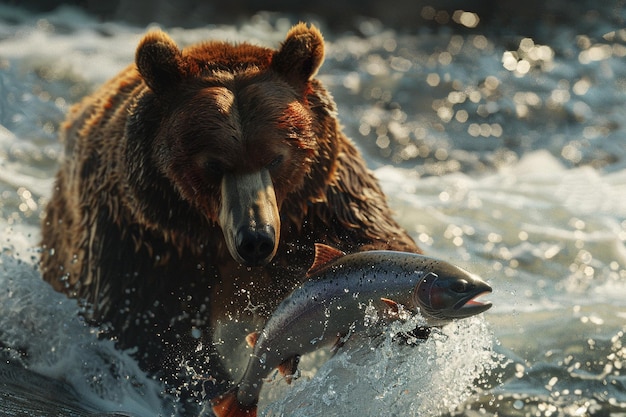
331,303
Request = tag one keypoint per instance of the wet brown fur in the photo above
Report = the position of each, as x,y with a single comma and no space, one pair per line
131,225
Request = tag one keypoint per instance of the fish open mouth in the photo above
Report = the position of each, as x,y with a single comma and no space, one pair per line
451,296
468,306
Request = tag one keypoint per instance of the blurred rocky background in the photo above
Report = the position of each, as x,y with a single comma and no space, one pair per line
528,17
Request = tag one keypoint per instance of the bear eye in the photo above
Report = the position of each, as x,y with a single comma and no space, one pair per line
276,162
214,169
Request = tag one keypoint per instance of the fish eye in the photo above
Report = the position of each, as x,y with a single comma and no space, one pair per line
460,286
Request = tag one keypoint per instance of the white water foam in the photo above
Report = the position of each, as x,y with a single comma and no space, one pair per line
41,330
383,377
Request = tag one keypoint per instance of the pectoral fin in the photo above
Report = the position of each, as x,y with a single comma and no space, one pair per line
252,338
394,308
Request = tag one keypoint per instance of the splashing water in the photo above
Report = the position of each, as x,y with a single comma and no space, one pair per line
501,153
41,331
380,376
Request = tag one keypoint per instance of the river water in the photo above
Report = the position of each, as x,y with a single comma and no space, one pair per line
502,153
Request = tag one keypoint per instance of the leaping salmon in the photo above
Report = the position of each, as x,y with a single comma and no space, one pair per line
330,303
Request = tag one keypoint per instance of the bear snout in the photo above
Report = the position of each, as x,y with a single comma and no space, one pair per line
256,245
249,217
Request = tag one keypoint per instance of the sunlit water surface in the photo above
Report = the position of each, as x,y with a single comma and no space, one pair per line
503,154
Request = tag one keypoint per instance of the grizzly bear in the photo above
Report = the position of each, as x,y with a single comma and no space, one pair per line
193,189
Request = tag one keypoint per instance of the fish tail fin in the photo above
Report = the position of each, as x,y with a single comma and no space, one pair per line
227,405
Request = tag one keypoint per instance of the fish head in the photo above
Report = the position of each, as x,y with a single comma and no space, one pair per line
450,294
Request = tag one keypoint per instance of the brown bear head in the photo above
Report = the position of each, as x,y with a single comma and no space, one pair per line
229,132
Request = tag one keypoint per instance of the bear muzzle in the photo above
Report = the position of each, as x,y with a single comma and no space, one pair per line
249,217
256,246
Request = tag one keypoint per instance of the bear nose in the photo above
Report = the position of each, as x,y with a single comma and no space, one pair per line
255,245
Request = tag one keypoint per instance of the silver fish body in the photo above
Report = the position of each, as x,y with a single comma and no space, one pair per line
332,301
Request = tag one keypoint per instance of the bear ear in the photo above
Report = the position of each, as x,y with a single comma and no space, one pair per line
160,62
300,55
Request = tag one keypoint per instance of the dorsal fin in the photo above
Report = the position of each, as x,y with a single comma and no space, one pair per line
324,255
